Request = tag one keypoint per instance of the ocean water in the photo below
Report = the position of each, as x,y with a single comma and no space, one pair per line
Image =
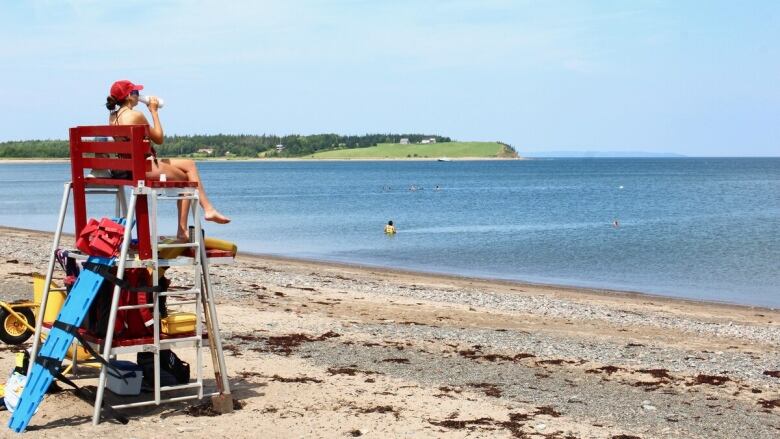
698,228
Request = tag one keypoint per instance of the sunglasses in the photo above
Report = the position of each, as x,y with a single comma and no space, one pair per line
134,93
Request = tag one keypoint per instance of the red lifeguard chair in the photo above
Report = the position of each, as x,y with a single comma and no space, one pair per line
126,152
117,148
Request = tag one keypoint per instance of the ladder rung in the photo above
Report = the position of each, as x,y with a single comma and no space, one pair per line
179,245
179,387
176,340
182,197
145,305
152,402
175,292
182,302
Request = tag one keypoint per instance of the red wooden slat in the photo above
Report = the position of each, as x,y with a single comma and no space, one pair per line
107,163
77,181
107,147
140,148
108,182
107,130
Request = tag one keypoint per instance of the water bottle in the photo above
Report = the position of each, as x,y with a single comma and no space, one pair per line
145,99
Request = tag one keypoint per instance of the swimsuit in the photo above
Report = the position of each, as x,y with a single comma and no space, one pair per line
124,174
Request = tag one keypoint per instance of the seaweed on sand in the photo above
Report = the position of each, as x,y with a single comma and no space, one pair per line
547,410
475,355
381,409
514,424
295,380
715,380
396,360
488,389
350,370
205,409
284,344
656,373
609,370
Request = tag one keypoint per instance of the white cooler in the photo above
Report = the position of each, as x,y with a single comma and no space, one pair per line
134,373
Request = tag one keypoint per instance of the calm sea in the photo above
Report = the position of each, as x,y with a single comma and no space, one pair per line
694,228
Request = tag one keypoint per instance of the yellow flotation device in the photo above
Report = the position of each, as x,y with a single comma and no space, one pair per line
211,244
221,244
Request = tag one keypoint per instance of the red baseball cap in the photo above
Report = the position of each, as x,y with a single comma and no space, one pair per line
121,89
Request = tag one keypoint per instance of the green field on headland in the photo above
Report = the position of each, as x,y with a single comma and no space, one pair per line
415,150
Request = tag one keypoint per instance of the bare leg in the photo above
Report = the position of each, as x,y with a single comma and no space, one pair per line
185,170
173,174
183,232
191,171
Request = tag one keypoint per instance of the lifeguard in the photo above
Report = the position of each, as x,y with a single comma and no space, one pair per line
123,97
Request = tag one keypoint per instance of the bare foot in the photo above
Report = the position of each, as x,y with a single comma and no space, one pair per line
183,235
215,216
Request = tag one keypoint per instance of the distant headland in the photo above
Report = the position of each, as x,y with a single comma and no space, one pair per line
315,146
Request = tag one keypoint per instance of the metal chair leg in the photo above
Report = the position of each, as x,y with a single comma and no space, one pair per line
49,274
109,338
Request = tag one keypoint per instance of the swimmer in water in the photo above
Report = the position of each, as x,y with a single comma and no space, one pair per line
615,224
390,228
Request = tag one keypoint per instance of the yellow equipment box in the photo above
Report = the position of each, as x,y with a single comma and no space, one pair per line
178,323
55,301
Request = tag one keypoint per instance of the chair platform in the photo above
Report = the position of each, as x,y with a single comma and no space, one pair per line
150,183
129,341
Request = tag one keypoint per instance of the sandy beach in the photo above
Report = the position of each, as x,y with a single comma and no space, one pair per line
331,350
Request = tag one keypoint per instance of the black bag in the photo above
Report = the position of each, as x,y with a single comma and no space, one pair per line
173,370
129,323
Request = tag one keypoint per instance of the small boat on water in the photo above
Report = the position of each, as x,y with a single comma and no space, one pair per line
444,159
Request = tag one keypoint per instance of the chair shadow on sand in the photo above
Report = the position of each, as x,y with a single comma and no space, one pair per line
241,389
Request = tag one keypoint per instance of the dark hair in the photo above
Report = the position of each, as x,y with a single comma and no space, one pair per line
389,223
112,102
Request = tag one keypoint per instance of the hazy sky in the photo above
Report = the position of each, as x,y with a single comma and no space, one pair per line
692,77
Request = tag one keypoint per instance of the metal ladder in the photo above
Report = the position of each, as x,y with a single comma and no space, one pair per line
201,293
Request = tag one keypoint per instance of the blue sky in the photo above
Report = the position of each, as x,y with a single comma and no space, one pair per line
691,77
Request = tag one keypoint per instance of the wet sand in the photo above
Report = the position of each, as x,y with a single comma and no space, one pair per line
331,350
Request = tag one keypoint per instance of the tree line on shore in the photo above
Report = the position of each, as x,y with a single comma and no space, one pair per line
221,145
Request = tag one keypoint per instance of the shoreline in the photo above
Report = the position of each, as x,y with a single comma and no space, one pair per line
379,159
288,159
571,291
20,161
488,281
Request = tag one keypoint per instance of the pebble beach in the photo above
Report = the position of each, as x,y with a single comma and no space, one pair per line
319,349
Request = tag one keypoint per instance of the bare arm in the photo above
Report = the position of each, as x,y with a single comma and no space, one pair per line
155,131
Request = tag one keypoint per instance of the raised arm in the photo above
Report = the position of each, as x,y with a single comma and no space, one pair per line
156,134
